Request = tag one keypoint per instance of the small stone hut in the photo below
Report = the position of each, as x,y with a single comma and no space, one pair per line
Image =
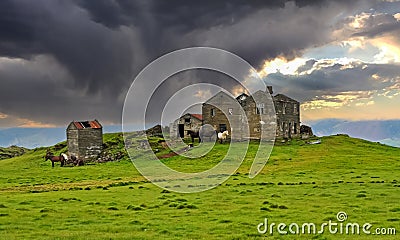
85,139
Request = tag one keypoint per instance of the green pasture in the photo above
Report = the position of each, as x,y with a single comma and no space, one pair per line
301,183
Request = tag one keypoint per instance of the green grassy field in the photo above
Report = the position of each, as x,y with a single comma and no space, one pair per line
300,183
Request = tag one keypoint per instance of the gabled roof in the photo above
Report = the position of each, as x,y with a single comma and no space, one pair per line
197,115
194,115
87,124
257,96
220,94
283,97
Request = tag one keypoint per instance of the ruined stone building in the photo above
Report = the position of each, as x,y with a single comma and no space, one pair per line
287,116
222,109
85,139
186,122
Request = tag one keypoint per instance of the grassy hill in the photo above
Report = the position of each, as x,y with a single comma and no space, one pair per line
300,183
12,151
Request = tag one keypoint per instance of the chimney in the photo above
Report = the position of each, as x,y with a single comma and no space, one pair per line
269,89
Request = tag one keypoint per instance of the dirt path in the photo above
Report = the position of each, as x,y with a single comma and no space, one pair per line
168,155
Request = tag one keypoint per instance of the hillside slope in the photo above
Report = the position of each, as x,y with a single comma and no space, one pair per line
12,151
384,131
300,183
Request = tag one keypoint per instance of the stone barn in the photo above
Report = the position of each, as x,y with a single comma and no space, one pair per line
189,121
85,139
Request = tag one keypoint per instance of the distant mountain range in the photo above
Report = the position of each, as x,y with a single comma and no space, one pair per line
386,132
383,131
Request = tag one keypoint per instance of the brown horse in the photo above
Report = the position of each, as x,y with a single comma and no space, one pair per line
76,161
193,135
52,158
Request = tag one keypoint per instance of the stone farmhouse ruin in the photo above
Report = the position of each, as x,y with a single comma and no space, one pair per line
221,110
85,139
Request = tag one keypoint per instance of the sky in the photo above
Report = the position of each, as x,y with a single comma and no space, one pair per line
64,60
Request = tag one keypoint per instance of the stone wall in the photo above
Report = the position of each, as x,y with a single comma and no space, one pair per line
224,111
288,116
72,139
85,143
90,143
261,118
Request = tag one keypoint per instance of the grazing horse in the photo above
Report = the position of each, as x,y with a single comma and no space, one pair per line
193,135
76,161
62,158
222,136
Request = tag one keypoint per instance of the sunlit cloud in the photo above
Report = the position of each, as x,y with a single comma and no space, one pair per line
281,65
389,49
342,88
2,115
355,76
26,123
371,30
365,103
7,120
397,16
203,94
337,101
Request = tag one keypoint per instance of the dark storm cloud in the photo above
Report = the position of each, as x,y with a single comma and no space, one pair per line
183,79
101,45
30,91
335,80
255,30
380,29
17,38
371,24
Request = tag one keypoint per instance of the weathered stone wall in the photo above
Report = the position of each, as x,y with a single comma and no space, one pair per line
261,120
72,137
228,112
85,143
218,118
173,129
288,117
90,143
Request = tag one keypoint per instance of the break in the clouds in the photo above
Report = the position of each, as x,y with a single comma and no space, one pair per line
356,76
72,60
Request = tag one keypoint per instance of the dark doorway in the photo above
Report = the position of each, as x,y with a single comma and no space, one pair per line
222,127
181,130
290,130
